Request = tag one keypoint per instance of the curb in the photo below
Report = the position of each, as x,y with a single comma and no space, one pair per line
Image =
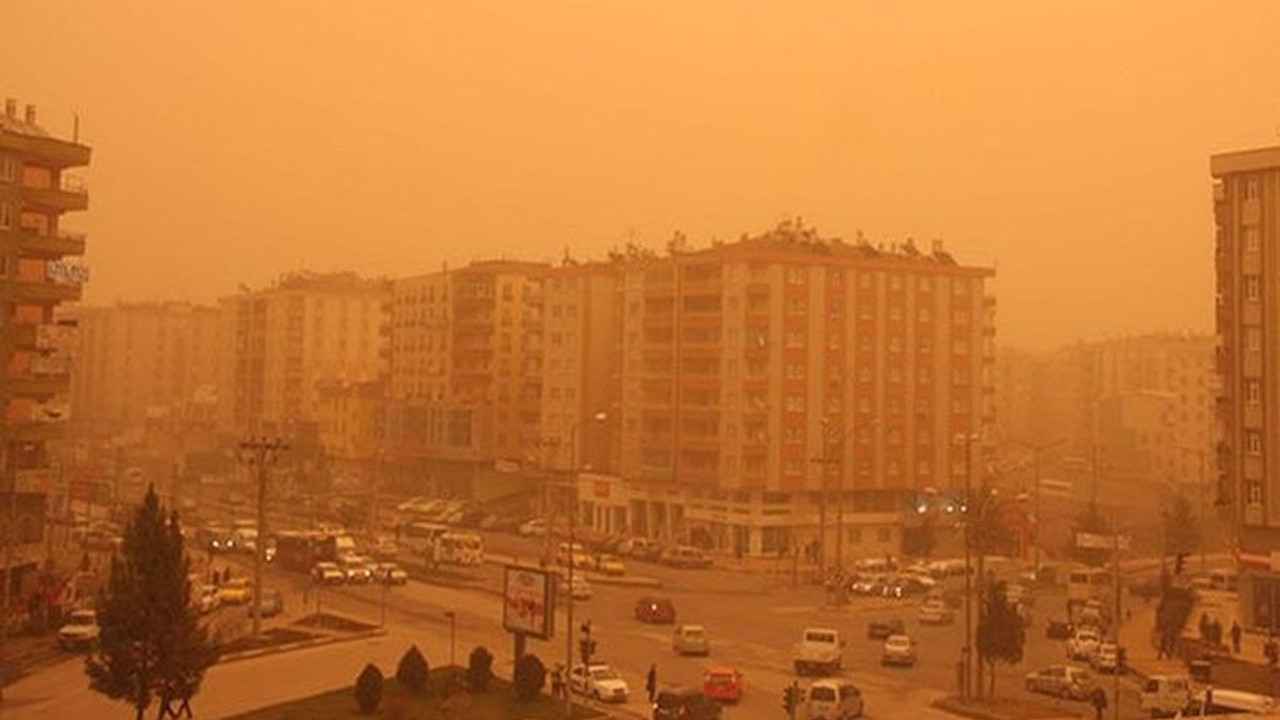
300,645
955,707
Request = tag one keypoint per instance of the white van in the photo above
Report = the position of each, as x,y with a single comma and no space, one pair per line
834,700
1167,695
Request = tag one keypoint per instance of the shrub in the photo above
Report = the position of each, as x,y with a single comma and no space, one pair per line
479,669
530,676
413,670
369,689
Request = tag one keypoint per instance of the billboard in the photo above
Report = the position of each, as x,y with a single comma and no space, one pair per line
528,601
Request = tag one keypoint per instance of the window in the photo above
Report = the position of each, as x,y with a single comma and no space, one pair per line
923,315
795,306
795,371
1251,189
794,434
8,169
1252,288
795,339
1251,240
795,403
892,469
6,216
1253,492
797,276
864,373
960,347
795,466
1253,339
895,343
960,377
895,282
853,535
959,286
865,342
895,313
959,317
864,281
1253,392
1253,442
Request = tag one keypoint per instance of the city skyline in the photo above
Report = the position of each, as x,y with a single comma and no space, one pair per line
365,143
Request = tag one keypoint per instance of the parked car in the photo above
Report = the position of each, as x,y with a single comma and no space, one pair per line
831,699
269,605
80,632
722,683
1059,629
610,565
685,704
1109,659
655,610
384,546
327,573
882,629
578,588
899,650
690,640
600,682
1083,645
207,601
1065,681
390,574
235,592
357,568
641,548
536,527
936,613
686,558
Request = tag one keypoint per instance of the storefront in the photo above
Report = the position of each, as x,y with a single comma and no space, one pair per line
1259,590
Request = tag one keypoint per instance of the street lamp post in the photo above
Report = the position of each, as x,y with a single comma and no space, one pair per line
832,456
1038,450
573,523
967,439
453,636
259,453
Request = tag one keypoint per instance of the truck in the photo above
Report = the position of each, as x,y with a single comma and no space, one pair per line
820,651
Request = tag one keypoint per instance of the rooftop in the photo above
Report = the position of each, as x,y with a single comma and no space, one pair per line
1244,161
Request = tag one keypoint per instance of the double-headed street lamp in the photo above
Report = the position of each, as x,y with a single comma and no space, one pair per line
1037,450
259,454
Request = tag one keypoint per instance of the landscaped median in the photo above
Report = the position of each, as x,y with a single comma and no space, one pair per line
306,632
1001,709
435,702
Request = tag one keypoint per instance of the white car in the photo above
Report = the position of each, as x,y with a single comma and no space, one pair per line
600,682
357,568
898,650
327,573
390,574
1107,659
81,631
935,612
1083,645
536,527
579,589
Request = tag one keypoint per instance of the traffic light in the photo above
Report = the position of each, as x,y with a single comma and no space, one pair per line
1179,562
791,698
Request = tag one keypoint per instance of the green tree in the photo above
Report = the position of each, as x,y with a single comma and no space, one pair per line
1181,530
1089,520
1001,632
151,645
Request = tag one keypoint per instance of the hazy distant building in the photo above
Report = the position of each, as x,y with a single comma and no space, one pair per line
465,380
1246,197
39,270
284,341
743,364
140,362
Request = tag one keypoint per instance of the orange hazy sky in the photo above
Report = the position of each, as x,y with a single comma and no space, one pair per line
1065,143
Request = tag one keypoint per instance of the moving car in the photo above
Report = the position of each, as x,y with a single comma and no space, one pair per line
269,605
327,573
899,650
1108,659
610,565
390,574
357,568
641,548
684,704
1065,681
820,650
834,700
723,684
1083,645
882,629
80,632
600,682
235,591
686,558
579,588
536,527
656,610
691,640
935,612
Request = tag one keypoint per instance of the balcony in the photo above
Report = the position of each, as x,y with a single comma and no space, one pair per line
70,196
31,244
41,387
39,291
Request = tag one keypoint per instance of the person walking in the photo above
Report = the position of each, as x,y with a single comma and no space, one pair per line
1099,703
651,683
1236,632
557,683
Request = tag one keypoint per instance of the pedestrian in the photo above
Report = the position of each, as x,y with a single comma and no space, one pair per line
1236,632
1215,631
1099,703
226,575
651,683
557,683
1204,626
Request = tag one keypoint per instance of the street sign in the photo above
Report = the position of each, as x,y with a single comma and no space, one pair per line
1098,541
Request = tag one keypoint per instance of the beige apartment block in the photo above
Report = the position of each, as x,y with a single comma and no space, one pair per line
466,366
284,341
144,362
762,380
40,269
1246,211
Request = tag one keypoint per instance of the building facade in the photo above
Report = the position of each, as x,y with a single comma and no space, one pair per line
765,382
286,340
39,270
141,362
1246,205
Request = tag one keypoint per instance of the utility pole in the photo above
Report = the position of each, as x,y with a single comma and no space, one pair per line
832,457
967,439
10,539
1115,622
259,454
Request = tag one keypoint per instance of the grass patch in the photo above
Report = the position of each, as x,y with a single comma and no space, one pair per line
499,703
335,623
269,638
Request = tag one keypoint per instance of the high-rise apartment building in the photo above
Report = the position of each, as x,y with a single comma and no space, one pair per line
762,380
466,365
136,362
38,272
1246,210
286,340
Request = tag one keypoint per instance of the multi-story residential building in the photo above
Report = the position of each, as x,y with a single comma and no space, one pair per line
38,272
287,339
137,362
1246,205
764,381
466,368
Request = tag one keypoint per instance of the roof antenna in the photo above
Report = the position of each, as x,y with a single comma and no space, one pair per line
75,128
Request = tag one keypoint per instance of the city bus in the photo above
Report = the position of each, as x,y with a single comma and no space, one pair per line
454,548
1086,583
420,538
